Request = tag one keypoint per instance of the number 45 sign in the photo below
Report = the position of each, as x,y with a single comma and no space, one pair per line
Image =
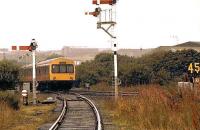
194,67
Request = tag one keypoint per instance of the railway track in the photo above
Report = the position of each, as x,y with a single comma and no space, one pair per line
78,113
103,93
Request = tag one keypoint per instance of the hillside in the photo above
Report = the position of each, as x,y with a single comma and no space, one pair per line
76,53
183,46
189,44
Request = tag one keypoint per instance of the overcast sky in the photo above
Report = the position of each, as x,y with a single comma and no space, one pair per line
58,23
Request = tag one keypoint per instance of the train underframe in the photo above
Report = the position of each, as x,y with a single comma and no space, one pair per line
50,85
55,85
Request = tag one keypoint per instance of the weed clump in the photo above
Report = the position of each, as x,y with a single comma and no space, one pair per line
11,99
156,108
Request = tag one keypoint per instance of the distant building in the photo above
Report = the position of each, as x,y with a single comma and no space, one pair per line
81,54
3,50
71,51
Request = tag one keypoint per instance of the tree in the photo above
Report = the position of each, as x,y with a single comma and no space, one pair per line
9,74
160,67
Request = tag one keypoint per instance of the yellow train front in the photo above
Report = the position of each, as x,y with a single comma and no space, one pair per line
53,74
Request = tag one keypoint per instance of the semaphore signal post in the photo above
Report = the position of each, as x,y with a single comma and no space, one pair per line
32,47
107,22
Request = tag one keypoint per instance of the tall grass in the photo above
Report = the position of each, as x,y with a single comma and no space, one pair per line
18,117
156,108
11,99
9,104
7,115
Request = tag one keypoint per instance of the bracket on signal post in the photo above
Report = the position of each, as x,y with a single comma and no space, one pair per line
105,19
105,26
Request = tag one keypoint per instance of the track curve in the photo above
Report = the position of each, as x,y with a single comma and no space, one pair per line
81,114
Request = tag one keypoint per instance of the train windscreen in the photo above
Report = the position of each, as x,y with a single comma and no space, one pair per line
63,68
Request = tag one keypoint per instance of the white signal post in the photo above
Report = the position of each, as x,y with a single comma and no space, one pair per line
34,79
33,49
114,38
98,2
107,22
115,72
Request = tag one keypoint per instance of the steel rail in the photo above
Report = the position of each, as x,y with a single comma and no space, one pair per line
103,93
57,123
61,116
99,123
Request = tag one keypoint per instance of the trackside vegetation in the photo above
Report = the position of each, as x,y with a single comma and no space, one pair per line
11,99
159,67
155,108
15,116
9,74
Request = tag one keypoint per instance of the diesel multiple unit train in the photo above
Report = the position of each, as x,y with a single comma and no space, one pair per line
53,74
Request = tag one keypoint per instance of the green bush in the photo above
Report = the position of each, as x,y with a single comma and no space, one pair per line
11,99
160,67
9,74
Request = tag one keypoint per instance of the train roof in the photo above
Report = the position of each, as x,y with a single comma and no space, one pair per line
46,62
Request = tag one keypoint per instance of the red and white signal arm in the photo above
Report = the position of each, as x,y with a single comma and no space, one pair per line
98,2
24,93
21,48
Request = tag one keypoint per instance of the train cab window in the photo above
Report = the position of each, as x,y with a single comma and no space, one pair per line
63,68
70,68
55,69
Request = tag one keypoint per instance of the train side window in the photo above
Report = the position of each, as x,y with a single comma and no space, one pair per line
38,71
47,70
70,68
43,70
63,68
55,68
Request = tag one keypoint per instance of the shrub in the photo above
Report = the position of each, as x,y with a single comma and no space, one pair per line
9,74
155,108
11,99
156,68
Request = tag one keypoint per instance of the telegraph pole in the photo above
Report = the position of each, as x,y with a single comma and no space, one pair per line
33,47
106,22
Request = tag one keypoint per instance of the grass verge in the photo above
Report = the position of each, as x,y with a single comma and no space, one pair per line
155,108
27,117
